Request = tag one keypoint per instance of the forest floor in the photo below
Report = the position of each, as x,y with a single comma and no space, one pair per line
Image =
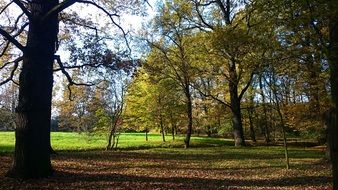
223,167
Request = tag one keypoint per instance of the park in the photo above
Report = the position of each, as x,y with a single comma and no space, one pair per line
168,94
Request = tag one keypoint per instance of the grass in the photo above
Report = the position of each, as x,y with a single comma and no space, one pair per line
139,164
70,141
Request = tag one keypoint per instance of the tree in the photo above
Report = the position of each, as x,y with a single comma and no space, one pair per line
32,146
333,61
114,104
138,114
8,101
172,53
74,108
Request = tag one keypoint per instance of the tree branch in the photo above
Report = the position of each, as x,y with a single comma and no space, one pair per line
12,40
197,4
5,7
10,78
246,86
68,3
60,7
212,96
5,49
69,78
23,8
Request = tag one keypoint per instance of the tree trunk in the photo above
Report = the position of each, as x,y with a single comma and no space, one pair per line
111,137
146,135
162,128
286,153
189,113
32,145
275,96
252,130
235,106
265,121
333,62
209,131
173,131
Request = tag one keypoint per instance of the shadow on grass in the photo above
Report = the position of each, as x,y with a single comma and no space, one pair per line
182,154
186,182
6,149
67,180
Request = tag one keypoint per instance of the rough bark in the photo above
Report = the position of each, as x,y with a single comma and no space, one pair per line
32,145
333,62
235,106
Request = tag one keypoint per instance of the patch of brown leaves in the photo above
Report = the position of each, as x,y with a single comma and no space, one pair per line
142,170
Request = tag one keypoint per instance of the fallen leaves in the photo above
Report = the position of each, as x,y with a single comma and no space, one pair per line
173,170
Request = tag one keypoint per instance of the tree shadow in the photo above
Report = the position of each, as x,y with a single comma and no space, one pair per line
185,182
217,155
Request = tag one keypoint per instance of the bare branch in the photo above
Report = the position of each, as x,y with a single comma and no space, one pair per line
212,96
23,8
16,64
79,66
5,7
69,78
68,3
197,4
81,22
5,49
16,22
246,86
12,39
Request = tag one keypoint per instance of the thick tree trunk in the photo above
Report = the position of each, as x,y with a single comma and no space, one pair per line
237,125
32,145
235,106
333,62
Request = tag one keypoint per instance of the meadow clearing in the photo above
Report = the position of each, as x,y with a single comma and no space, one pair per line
211,163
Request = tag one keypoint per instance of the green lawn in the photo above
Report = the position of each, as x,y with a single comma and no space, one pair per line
70,141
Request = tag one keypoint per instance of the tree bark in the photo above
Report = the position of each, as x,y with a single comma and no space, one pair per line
189,113
333,62
162,128
252,130
32,145
173,131
235,106
265,120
